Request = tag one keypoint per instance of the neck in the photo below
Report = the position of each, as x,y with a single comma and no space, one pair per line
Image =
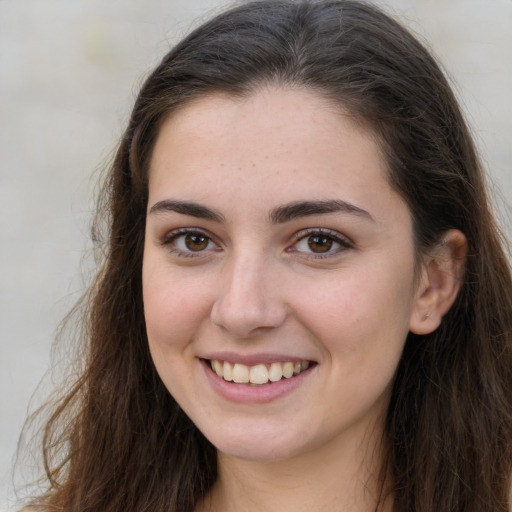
338,477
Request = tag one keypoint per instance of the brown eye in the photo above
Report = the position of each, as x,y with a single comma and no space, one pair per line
320,243
196,242
190,243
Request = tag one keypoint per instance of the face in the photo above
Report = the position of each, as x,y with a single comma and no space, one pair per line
278,273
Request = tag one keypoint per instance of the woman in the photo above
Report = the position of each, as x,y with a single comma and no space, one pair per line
305,302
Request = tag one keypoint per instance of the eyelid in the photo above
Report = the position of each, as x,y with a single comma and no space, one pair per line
168,239
336,235
344,241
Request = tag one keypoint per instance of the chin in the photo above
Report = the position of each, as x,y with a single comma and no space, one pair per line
263,443
256,451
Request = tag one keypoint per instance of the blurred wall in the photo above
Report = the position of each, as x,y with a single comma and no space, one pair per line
69,71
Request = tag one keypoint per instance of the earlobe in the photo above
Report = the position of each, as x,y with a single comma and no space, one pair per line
440,281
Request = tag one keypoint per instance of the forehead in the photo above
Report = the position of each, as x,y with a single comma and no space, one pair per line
277,142
267,110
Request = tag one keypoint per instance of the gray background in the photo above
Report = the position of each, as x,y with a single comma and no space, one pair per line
69,71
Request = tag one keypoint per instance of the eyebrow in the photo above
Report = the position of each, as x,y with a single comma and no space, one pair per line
187,208
278,215
299,209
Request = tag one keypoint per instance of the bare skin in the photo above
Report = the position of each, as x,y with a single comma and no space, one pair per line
272,236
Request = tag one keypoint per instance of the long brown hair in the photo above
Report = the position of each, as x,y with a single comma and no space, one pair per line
117,441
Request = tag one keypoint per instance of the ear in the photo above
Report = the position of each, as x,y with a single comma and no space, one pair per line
441,277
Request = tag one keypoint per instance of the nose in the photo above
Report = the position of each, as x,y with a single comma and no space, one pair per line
249,300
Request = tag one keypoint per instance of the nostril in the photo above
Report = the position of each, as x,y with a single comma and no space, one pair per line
244,319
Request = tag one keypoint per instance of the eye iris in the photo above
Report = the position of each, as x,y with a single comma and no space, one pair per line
196,242
319,243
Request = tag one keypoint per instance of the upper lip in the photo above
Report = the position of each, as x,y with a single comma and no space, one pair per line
254,359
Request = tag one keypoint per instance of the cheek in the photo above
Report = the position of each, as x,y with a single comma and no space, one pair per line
361,314
172,314
174,308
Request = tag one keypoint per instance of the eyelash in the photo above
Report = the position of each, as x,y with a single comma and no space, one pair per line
343,242
170,241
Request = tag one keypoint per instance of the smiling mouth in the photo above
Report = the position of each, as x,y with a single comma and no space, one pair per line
258,374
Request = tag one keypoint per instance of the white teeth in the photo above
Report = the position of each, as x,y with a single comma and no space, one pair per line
259,373
240,373
217,366
276,372
288,370
228,371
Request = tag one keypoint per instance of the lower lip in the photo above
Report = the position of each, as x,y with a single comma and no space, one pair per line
256,394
